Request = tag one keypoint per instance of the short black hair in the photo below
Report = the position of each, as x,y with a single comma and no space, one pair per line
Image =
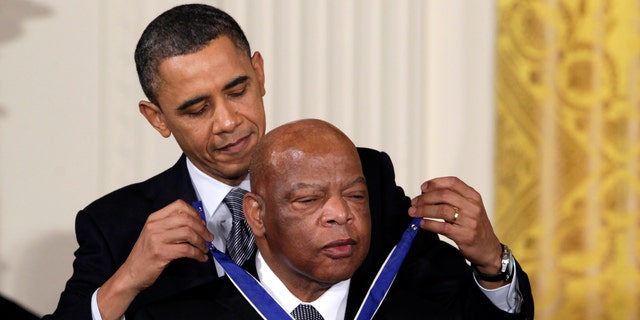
178,31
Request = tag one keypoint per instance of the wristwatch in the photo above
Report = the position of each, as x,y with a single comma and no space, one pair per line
506,270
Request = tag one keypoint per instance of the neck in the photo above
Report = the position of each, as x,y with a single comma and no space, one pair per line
306,292
302,286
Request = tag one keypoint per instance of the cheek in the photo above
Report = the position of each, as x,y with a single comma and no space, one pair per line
363,216
253,109
192,132
283,226
296,238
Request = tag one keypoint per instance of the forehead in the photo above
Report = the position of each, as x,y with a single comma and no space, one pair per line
317,164
210,68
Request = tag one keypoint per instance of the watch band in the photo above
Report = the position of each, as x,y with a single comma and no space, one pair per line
506,269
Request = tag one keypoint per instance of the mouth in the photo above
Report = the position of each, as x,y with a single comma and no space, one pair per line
340,248
236,146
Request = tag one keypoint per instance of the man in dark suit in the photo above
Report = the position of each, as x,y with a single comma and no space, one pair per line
145,242
309,211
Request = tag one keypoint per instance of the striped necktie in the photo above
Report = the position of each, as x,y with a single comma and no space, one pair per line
240,244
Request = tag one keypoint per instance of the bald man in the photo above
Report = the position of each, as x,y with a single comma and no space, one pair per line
309,213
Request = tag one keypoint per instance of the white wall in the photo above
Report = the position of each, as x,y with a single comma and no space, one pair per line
411,77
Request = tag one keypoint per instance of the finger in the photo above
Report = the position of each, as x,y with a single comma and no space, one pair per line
471,207
185,250
186,235
439,196
171,209
440,227
165,245
452,183
460,233
441,211
167,252
192,223
179,214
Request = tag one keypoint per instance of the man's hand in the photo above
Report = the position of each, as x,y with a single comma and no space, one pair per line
175,231
465,222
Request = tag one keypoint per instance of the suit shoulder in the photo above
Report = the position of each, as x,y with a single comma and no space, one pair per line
371,158
153,193
368,152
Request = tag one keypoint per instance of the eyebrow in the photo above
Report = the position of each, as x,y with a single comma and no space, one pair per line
302,185
231,84
191,102
359,180
235,82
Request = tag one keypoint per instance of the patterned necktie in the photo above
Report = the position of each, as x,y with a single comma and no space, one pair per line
240,244
306,312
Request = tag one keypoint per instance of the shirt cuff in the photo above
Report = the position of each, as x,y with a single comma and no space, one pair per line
95,312
507,298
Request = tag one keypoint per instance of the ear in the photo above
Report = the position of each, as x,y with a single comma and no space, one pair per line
253,208
258,67
154,115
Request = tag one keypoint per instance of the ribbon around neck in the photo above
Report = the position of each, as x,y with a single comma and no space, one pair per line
269,308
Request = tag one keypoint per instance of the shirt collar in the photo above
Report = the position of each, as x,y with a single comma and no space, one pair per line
214,189
325,304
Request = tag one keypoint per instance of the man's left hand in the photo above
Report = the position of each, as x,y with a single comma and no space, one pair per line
451,208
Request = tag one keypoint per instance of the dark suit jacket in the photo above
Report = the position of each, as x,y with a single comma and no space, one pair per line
107,229
12,310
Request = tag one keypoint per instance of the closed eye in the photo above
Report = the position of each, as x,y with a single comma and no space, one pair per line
238,93
198,112
306,200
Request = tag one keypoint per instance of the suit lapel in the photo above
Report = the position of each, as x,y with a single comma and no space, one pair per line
175,184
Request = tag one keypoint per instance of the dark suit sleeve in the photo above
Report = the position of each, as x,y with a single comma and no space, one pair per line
106,231
91,268
12,310
524,287
441,268
435,282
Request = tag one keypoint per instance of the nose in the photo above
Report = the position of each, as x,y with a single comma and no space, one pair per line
336,211
226,117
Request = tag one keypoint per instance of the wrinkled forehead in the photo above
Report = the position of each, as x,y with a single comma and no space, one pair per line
306,143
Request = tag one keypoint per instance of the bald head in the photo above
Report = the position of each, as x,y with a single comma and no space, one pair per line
308,206
284,145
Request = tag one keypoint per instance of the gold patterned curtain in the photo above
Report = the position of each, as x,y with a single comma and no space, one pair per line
568,152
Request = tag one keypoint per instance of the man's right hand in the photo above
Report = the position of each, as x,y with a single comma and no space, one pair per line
175,231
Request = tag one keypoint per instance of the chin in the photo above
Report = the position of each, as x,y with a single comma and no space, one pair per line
335,275
238,171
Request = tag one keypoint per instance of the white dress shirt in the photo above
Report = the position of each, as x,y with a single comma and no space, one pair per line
332,304
212,192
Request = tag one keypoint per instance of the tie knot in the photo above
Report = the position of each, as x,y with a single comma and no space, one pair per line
306,312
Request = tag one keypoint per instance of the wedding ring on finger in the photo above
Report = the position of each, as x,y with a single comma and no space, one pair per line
456,213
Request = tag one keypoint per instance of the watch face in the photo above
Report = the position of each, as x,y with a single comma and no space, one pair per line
506,258
511,265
